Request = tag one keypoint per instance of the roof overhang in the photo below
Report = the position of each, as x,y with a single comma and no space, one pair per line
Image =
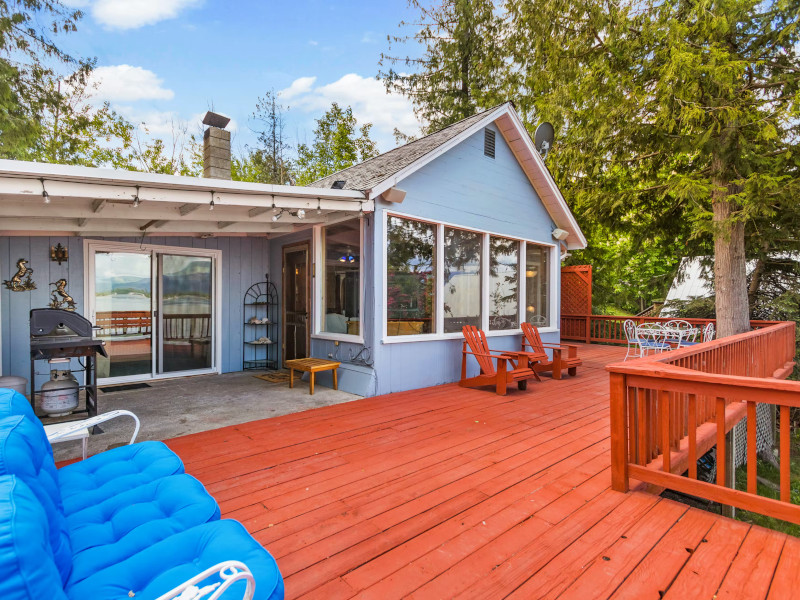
521,144
88,201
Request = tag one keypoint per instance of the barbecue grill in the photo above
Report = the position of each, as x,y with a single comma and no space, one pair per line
58,334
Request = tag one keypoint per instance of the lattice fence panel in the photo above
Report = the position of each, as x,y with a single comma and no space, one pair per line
576,290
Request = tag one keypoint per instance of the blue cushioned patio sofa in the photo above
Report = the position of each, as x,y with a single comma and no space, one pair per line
126,523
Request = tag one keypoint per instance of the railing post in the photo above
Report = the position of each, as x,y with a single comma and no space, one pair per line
619,433
588,329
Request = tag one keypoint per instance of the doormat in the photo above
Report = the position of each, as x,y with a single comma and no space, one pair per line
124,388
277,377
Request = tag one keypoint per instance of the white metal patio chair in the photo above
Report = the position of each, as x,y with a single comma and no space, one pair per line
708,335
679,331
652,338
634,349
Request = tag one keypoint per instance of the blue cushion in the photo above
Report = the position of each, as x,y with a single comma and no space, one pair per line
127,523
28,569
14,403
26,453
99,477
170,562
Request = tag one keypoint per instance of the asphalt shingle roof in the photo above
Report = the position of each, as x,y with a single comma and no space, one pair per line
368,174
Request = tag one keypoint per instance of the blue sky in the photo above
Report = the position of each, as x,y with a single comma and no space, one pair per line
164,61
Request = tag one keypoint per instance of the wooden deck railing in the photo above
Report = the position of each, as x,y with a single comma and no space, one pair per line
668,410
608,329
192,326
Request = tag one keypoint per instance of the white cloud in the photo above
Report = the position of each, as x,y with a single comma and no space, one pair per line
299,87
126,83
131,14
368,97
313,43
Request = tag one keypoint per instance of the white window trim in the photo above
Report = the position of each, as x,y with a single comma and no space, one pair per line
90,246
439,257
318,283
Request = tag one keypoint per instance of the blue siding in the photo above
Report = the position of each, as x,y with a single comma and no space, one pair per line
245,260
465,188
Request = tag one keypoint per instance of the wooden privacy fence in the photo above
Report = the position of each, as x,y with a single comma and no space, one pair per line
576,290
668,410
607,329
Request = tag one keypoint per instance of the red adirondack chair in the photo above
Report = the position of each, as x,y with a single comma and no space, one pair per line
565,356
511,366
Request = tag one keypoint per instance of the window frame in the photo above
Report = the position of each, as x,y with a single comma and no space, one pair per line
555,263
438,250
318,272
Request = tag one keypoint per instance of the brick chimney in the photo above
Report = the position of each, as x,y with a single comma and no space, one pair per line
216,147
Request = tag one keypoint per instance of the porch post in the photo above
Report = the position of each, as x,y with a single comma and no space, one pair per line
619,437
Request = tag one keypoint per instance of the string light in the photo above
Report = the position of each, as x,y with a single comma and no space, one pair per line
211,204
136,200
301,213
319,206
45,195
274,208
277,216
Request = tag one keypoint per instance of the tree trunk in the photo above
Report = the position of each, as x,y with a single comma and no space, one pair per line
730,268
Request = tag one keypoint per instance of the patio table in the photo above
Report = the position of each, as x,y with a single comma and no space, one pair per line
312,366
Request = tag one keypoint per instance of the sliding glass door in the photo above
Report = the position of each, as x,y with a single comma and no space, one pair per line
186,315
156,310
123,309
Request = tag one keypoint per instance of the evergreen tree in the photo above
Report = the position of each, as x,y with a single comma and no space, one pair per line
458,70
677,119
339,142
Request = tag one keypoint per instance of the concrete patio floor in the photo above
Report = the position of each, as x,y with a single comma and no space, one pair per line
174,407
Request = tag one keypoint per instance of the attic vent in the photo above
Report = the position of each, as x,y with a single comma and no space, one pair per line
338,184
488,143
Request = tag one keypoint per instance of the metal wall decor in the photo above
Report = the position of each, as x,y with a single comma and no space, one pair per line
21,281
59,254
66,302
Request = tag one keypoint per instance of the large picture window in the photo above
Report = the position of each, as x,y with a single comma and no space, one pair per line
462,279
410,277
503,283
440,278
341,276
537,278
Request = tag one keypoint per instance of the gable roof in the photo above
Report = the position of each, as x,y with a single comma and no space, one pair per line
371,172
378,174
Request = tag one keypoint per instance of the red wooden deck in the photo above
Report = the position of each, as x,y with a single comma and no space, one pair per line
452,493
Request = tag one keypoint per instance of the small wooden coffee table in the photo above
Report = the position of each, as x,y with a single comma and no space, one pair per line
311,366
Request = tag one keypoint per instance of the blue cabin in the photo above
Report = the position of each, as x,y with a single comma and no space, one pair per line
378,266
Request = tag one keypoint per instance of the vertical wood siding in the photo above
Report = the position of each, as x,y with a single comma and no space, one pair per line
244,262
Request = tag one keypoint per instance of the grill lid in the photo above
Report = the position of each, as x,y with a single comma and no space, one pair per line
61,323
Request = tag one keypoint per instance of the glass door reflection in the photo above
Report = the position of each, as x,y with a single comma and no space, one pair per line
185,319
123,306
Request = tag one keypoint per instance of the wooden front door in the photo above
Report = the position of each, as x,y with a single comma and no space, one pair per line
296,301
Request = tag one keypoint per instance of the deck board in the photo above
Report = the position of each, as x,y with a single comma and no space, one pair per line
447,492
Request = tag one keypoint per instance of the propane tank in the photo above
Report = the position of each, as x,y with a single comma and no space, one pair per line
60,395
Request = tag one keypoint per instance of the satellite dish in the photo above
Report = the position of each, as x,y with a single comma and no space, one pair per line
543,138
